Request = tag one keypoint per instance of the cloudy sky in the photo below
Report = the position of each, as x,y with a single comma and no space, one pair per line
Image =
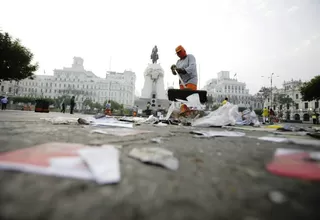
248,37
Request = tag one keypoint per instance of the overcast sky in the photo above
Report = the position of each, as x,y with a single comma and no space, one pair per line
248,37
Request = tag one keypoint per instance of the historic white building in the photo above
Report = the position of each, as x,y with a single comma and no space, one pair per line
237,93
299,109
77,81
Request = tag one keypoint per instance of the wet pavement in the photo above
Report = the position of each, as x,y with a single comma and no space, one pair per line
217,178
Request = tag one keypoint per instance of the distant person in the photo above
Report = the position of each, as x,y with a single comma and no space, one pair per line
4,102
148,105
314,118
135,111
225,101
271,115
63,107
108,108
265,115
72,104
187,69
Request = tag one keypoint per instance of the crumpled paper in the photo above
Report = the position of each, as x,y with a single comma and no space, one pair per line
218,133
155,155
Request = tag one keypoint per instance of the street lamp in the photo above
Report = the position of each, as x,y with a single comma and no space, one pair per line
271,85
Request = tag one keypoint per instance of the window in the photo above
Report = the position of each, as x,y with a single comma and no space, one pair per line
297,96
288,106
2,88
9,89
316,105
280,107
306,105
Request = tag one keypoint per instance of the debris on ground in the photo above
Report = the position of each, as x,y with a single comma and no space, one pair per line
295,163
103,163
157,140
248,117
111,122
277,197
225,115
120,131
288,127
64,160
314,135
297,141
203,133
61,120
155,155
160,124
83,121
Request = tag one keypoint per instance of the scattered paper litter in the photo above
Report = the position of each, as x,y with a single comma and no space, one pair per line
277,197
103,163
56,159
110,122
61,120
62,159
160,124
121,132
297,141
113,124
274,139
156,140
155,155
218,133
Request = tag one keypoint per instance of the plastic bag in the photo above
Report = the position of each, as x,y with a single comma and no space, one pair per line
225,115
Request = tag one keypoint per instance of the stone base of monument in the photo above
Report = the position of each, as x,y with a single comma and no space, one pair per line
159,104
174,94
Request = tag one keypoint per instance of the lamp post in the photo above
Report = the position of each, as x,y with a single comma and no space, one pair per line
270,87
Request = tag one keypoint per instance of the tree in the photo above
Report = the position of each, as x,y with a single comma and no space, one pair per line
311,90
15,59
284,99
265,92
88,102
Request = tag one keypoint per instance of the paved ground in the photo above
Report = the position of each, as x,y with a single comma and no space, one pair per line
218,178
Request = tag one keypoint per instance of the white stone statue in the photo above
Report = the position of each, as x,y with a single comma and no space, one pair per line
153,82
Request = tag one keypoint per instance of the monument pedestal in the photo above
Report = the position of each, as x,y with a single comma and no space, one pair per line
153,89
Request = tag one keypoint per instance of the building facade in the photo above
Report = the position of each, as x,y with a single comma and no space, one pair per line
77,81
223,86
297,109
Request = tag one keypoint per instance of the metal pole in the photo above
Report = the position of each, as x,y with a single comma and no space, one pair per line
271,90
199,76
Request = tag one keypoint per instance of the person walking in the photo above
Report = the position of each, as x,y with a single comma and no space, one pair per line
265,115
187,69
4,102
314,118
72,104
63,107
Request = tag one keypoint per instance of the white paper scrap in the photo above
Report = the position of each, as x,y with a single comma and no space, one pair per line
103,163
274,139
155,155
219,133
